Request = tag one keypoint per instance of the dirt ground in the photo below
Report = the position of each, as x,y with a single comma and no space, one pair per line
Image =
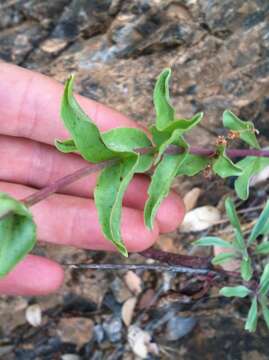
219,53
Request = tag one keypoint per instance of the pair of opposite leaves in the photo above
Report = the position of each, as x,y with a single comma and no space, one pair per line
120,144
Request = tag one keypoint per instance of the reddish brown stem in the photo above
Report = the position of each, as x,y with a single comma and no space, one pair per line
63,182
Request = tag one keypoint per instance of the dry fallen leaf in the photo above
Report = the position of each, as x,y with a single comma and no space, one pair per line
190,199
200,219
133,282
33,315
127,310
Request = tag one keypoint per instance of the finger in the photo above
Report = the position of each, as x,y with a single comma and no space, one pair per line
33,276
69,220
35,164
30,106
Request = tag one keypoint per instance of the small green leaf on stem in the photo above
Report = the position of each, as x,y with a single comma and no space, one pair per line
84,132
246,268
246,129
184,124
262,249
223,258
165,112
250,166
17,233
262,225
66,146
213,241
252,318
235,291
265,312
231,214
264,281
108,195
193,165
223,165
160,185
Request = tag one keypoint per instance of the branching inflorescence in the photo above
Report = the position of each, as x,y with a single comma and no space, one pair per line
121,153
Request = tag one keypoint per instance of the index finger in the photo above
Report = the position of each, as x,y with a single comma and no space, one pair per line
30,106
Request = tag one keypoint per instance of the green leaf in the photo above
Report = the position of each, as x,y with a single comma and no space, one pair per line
264,281
223,165
160,136
108,196
246,269
231,214
17,233
265,312
84,132
160,185
193,165
176,138
125,139
66,146
262,225
223,258
239,242
237,291
213,241
245,128
250,166
262,248
252,318
165,112
184,124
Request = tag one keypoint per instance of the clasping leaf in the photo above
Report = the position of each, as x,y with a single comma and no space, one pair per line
223,165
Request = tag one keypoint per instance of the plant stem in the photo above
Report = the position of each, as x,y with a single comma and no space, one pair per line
172,149
64,181
231,153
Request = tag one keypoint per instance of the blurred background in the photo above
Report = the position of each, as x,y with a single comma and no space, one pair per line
219,53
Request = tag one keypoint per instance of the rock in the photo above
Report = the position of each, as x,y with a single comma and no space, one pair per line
127,310
75,330
139,341
190,199
178,326
99,333
120,290
134,282
70,357
200,219
33,315
113,329
146,299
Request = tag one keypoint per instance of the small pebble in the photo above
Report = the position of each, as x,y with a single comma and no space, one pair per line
178,326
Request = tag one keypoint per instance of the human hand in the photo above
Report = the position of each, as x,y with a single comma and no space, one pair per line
29,124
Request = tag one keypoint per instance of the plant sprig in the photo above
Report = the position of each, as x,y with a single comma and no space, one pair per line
121,153
247,252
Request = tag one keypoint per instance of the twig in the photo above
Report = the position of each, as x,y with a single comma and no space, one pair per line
194,262
155,267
